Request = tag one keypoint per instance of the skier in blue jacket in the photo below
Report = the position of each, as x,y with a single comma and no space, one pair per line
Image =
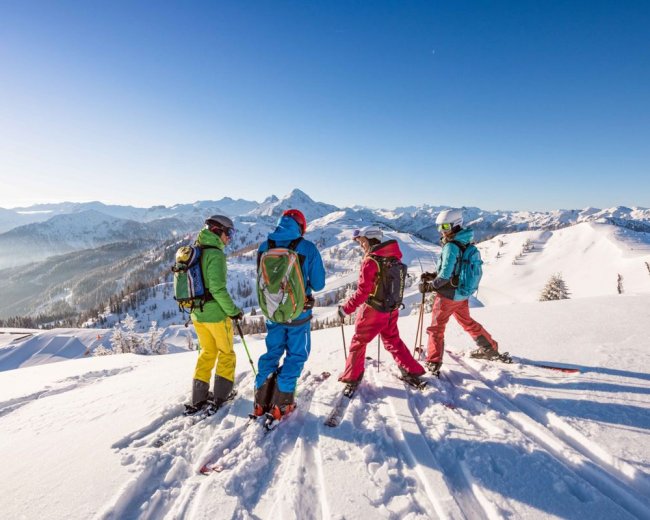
275,385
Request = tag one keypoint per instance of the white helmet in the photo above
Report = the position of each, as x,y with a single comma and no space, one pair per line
450,216
369,232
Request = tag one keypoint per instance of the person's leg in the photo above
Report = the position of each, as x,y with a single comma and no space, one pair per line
204,364
481,336
441,312
226,359
298,349
396,347
367,326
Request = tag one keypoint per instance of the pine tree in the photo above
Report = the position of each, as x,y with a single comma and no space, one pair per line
555,289
619,284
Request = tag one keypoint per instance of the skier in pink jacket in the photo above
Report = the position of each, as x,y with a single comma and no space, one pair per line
370,321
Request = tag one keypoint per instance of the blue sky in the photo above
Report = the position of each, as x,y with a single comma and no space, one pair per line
502,105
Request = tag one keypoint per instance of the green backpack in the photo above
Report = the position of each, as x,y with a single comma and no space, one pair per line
280,285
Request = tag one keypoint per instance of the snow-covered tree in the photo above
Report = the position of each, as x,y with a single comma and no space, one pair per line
155,344
619,284
125,340
555,289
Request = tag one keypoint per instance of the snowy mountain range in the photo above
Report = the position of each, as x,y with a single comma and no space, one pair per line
79,232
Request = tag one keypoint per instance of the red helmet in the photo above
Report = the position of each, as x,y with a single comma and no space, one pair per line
297,215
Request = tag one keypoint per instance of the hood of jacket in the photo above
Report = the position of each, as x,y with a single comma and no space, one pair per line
286,230
208,238
386,249
464,236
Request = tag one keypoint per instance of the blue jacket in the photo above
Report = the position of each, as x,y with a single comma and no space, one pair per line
313,272
449,257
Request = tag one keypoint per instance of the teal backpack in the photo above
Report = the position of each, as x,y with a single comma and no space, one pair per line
468,270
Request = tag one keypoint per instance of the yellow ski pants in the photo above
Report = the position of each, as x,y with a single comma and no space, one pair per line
216,340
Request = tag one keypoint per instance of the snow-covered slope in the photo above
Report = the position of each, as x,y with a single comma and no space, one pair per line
101,437
589,256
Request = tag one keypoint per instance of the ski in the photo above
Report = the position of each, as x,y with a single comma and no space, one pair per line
340,406
505,357
191,419
212,465
552,367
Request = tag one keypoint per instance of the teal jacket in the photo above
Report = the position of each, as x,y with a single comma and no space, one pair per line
449,257
213,267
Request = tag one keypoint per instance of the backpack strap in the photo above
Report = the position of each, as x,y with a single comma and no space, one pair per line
294,243
456,272
208,295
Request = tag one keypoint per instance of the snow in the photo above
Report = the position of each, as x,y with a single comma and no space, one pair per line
102,437
487,440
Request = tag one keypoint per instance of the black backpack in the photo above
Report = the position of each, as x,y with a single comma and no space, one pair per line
389,290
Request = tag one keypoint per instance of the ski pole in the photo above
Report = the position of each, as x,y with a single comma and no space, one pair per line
378,351
245,346
418,332
421,347
345,350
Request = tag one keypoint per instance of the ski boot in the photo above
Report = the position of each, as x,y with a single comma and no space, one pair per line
350,388
282,405
263,396
484,353
412,379
434,367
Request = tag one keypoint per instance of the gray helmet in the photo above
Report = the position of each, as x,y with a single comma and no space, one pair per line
220,223
369,232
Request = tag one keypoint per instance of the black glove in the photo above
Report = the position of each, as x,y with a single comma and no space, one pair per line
428,277
341,313
425,287
237,316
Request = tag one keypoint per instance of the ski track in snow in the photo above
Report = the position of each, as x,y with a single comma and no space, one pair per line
60,387
253,473
607,475
623,471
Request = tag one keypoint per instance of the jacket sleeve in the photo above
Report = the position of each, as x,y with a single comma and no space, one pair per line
216,274
449,254
316,270
369,270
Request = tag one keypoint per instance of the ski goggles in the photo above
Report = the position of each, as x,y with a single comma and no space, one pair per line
356,234
229,232
445,227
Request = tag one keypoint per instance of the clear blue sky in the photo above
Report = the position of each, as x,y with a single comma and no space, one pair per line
510,105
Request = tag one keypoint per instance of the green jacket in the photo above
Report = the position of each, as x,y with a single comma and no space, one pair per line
213,267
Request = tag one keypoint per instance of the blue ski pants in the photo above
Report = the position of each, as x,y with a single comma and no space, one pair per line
295,343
